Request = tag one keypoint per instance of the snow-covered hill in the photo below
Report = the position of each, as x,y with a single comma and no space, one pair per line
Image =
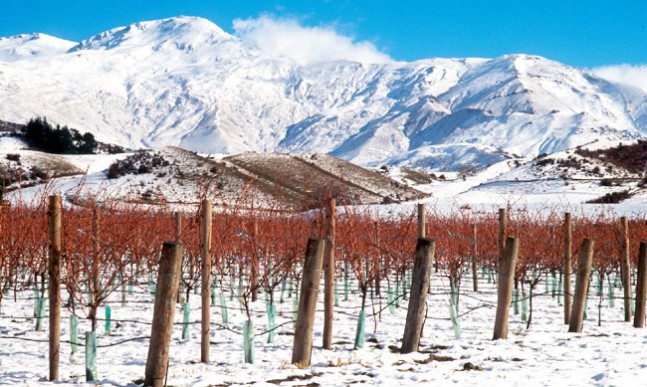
184,81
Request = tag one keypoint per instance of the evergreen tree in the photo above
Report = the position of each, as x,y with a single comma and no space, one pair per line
40,134
88,144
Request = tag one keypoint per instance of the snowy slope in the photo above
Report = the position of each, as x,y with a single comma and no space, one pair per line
32,46
184,81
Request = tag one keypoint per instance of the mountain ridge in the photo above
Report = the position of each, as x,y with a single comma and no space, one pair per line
184,81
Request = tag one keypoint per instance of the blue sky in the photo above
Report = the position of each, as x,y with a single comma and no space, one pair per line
581,33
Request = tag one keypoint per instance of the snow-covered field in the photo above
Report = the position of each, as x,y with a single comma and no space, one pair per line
544,355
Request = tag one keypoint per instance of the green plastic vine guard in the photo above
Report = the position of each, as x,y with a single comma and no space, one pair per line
90,356
74,333
283,286
515,301
560,291
185,323
359,335
36,301
346,280
271,318
453,296
553,288
612,300
483,272
586,307
234,275
108,321
599,287
389,298
547,286
489,276
248,337
223,309
336,293
240,291
213,295
524,307
346,288
290,288
39,315
453,313
404,288
131,289
397,294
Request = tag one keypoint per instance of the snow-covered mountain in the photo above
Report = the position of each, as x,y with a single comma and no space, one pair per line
184,81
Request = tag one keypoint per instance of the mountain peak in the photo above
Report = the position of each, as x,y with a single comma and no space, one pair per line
29,46
185,30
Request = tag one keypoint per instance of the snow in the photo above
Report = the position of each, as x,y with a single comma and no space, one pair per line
184,81
11,144
32,47
543,355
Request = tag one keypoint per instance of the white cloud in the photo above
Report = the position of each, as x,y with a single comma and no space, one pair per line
305,45
630,75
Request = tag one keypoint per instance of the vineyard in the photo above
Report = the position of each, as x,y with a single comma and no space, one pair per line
110,260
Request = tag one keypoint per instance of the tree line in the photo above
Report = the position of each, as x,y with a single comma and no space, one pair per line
42,135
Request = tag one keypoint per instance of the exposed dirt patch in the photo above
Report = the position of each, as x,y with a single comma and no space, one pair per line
469,366
433,358
293,378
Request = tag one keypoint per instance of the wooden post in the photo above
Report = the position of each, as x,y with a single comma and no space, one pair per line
422,233
205,252
95,289
641,287
178,237
422,214
168,283
329,273
178,226
506,282
417,301
625,268
302,350
54,286
253,272
475,276
568,266
585,260
378,260
502,228
1,253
